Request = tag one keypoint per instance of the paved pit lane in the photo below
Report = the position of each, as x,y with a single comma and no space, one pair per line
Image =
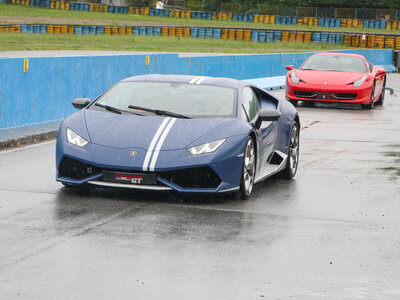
332,233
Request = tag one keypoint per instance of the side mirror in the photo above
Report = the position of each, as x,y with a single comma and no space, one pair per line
380,72
290,67
269,115
80,103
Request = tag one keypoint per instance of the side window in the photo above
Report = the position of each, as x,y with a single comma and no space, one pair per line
370,67
250,103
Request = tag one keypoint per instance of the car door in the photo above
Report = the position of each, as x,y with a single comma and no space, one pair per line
265,131
378,79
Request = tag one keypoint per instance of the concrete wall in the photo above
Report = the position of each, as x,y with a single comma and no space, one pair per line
44,93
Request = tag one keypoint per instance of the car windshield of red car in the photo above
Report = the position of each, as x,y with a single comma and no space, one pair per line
339,63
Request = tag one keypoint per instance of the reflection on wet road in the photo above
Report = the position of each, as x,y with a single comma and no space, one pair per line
333,232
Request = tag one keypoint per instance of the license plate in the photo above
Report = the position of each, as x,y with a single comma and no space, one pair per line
130,178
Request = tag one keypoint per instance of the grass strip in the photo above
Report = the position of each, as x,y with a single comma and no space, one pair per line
23,41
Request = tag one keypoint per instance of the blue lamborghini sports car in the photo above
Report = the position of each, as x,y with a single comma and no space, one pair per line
183,133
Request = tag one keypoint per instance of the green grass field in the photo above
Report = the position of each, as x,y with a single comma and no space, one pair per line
35,15
19,41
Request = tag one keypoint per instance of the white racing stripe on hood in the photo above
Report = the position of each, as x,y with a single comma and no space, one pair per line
159,145
201,80
153,143
195,79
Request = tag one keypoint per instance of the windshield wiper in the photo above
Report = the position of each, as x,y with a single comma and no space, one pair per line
160,112
309,69
114,109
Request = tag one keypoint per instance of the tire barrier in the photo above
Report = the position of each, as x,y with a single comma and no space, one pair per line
221,16
357,40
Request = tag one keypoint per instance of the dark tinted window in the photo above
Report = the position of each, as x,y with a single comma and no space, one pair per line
250,103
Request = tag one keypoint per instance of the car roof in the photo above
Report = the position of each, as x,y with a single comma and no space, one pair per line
340,54
191,79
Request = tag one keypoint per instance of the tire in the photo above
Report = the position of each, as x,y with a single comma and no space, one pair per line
248,171
294,102
293,153
372,101
382,96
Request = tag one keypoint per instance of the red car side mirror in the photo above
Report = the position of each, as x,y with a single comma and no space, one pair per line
290,67
380,72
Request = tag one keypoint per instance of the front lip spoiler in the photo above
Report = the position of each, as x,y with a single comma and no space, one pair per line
130,186
168,186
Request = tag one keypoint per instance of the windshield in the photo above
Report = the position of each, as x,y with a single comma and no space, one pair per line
339,63
195,101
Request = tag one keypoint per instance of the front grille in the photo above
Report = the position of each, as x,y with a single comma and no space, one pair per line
201,177
304,94
324,96
74,169
343,96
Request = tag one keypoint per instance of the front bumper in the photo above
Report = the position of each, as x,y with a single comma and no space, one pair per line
332,93
175,169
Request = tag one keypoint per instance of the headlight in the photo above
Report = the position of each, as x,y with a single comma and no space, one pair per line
295,79
206,148
361,81
75,139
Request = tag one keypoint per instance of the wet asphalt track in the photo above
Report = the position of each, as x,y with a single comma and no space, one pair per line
332,233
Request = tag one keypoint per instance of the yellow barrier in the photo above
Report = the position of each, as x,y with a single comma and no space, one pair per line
57,29
64,29
397,43
231,34
292,36
355,41
114,30
171,31
224,34
389,42
371,41
121,30
107,30
179,31
307,37
239,34
247,35
379,41
186,31
71,29
271,19
347,40
285,37
164,31
363,41
299,37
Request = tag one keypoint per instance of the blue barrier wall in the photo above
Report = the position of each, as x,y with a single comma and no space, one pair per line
44,93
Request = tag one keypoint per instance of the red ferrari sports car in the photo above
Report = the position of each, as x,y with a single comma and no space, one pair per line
336,77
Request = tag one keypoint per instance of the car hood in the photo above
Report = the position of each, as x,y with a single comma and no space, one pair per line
123,131
328,77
